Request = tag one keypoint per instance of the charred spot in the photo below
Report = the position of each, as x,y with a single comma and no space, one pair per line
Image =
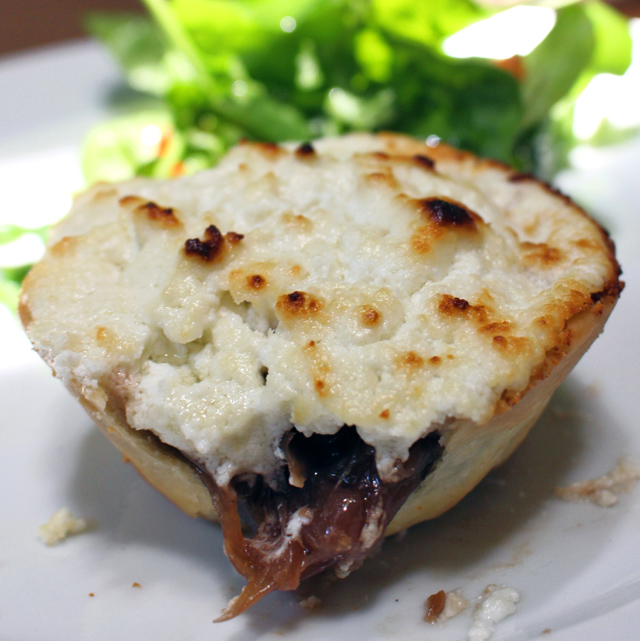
212,248
311,344
208,249
613,289
162,215
305,150
448,213
369,316
435,360
385,414
425,162
500,340
256,281
298,304
452,304
521,177
233,238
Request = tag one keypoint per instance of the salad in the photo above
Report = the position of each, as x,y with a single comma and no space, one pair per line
208,73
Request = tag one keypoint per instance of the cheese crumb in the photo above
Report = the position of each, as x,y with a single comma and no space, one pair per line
454,604
61,525
497,604
311,603
604,490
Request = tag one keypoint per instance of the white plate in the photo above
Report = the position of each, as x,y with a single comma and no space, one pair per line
576,565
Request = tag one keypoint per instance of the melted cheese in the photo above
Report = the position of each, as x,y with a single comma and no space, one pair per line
361,284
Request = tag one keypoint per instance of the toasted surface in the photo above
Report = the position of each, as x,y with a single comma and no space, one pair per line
368,281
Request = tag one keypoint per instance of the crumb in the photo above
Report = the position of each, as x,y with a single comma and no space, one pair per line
60,525
310,603
495,605
454,604
443,606
604,490
135,584
546,631
91,594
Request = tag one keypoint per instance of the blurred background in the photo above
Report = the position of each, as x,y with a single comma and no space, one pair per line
33,23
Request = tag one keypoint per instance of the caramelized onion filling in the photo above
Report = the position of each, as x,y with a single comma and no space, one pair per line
330,514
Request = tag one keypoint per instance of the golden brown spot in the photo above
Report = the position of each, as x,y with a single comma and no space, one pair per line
311,344
498,326
26,317
102,334
412,360
104,194
541,254
422,239
305,151
385,414
91,594
385,178
242,166
135,584
131,201
434,606
233,238
298,221
320,386
435,360
298,305
511,343
269,149
165,216
256,281
369,316
587,243
450,357
295,270
64,245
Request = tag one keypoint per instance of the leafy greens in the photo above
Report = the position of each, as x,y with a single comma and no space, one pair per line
214,71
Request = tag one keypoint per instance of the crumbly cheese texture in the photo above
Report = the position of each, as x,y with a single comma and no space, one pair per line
497,604
364,280
61,525
603,490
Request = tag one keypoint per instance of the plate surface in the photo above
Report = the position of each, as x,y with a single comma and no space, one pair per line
576,566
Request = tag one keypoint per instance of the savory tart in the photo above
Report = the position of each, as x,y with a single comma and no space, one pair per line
336,339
